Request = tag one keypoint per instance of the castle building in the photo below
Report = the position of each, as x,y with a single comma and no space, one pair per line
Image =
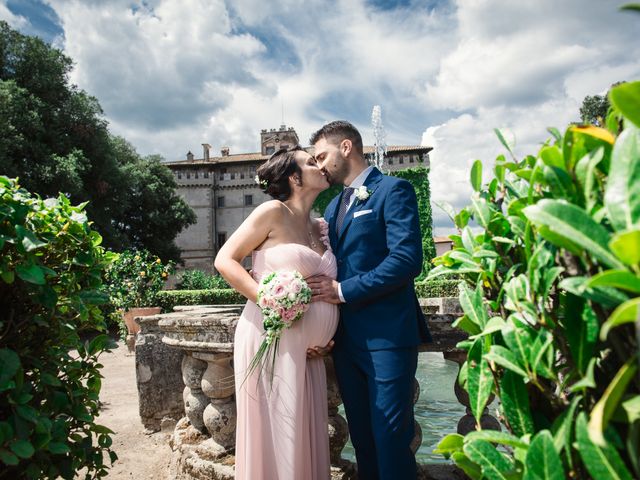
222,191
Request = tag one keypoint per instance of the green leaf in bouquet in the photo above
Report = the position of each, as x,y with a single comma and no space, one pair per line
515,403
626,246
574,226
494,465
622,195
606,406
603,463
622,279
626,98
476,175
543,461
479,379
628,312
506,359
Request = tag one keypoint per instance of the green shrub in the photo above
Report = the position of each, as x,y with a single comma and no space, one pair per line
555,285
50,280
167,299
199,280
437,288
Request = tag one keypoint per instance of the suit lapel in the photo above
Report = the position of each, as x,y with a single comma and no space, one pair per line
333,237
371,183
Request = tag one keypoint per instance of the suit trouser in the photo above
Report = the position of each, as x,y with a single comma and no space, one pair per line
377,392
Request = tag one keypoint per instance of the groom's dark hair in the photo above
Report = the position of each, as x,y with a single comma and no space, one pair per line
337,131
274,173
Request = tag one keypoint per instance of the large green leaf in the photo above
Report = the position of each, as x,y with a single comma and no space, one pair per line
31,273
622,195
604,409
479,379
471,469
603,463
501,136
481,211
495,436
573,224
519,342
493,463
505,358
581,330
471,303
28,238
476,175
626,246
622,279
450,444
543,461
515,403
626,98
563,430
628,312
607,296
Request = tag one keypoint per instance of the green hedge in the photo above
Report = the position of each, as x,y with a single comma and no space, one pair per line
51,265
437,288
167,299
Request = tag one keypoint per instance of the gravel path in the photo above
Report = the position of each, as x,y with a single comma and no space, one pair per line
140,456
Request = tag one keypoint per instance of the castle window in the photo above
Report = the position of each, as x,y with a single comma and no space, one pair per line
188,174
206,174
248,200
195,175
270,149
391,161
411,159
179,175
222,237
220,202
401,161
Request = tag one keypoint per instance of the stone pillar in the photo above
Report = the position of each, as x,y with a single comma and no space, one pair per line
218,385
195,401
158,376
467,423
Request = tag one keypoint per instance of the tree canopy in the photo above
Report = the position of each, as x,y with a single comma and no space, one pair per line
54,138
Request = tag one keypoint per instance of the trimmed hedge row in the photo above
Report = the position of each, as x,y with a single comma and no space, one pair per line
437,288
167,299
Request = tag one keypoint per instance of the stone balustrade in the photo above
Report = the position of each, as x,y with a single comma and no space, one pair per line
204,439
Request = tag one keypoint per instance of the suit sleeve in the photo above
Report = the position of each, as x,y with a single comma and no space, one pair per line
404,242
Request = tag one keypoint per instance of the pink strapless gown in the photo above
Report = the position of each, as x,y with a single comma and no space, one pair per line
281,431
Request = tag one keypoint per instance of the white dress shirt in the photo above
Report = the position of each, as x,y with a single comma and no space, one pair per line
357,183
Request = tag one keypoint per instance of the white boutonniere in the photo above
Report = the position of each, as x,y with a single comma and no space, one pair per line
362,193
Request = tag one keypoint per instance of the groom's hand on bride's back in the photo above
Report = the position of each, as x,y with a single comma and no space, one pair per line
325,289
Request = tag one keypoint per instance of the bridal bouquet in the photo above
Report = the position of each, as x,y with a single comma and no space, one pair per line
283,298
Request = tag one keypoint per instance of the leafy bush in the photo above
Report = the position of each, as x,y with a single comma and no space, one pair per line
199,280
134,278
437,288
555,276
167,299
50,280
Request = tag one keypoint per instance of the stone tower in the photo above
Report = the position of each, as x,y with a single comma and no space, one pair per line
272,140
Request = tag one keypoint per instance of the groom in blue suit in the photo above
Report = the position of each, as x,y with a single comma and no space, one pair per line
375,234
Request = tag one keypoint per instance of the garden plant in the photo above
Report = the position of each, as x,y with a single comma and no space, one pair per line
551,300
51,267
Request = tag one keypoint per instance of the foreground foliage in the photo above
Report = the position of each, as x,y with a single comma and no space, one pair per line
552,302
50,280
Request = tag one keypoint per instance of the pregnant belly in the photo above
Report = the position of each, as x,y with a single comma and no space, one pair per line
317,326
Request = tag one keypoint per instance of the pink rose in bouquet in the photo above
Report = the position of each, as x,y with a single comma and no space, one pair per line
283,297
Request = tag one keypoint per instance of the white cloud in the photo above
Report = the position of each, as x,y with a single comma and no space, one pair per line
16,21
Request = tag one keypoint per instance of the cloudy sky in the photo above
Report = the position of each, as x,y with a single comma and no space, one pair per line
172,74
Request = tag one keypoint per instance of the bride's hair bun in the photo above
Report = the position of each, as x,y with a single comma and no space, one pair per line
273,175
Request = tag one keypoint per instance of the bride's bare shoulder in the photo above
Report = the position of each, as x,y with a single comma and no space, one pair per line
270,210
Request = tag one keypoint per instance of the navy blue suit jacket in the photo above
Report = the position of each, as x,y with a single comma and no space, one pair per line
379,253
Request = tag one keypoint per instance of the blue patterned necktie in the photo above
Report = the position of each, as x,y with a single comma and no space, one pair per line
346,195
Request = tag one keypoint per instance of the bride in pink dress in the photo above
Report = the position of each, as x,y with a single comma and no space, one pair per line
281,431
